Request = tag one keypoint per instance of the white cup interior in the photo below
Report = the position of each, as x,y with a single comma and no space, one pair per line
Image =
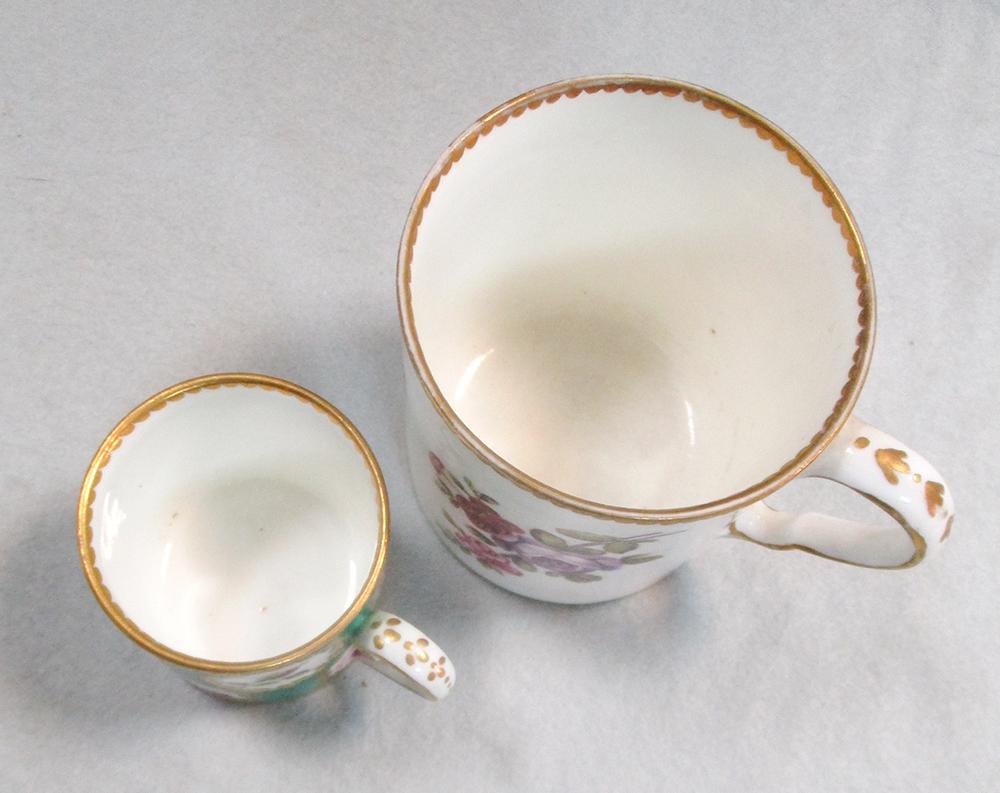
236,524
634,299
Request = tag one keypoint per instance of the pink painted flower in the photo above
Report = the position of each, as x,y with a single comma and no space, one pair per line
436,462
485,518
485,555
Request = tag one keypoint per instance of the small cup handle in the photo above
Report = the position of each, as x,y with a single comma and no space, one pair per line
887,473
404,654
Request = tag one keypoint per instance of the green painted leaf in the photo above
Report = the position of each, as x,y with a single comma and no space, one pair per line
586,536
621,546
585,550
581,578
451,520
548,538
639,558
487,499
485,538
528,567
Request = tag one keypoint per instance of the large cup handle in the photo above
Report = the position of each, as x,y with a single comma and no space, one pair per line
884,471
404,654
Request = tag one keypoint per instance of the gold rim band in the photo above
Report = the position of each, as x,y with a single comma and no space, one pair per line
712,101
113,441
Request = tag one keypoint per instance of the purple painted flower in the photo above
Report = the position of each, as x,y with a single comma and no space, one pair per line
558,560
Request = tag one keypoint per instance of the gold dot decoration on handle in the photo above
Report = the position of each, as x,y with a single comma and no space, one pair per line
403,653
892,462
878,467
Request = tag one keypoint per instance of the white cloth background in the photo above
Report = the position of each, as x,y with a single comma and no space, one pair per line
191,187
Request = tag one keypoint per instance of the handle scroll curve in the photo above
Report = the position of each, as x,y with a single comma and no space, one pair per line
887,473
404,654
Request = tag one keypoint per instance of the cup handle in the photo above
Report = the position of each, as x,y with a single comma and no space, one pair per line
887,473
404,654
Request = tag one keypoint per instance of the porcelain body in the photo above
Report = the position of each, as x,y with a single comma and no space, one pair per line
236,526
634,308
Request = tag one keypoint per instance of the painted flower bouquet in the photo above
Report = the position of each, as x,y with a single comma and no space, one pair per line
474,525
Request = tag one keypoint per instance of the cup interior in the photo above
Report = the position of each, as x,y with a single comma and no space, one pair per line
636,297
237,522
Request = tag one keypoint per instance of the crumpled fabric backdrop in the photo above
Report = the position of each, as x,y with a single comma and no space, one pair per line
196,187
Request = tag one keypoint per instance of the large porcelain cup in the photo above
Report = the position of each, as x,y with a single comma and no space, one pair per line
635,308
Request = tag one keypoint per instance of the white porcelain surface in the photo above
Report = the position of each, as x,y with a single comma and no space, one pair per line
235,524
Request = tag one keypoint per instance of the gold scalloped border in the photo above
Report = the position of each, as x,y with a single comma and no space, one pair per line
88,493
765,130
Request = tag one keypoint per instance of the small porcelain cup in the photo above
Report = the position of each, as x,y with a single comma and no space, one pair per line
236,526
634,308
